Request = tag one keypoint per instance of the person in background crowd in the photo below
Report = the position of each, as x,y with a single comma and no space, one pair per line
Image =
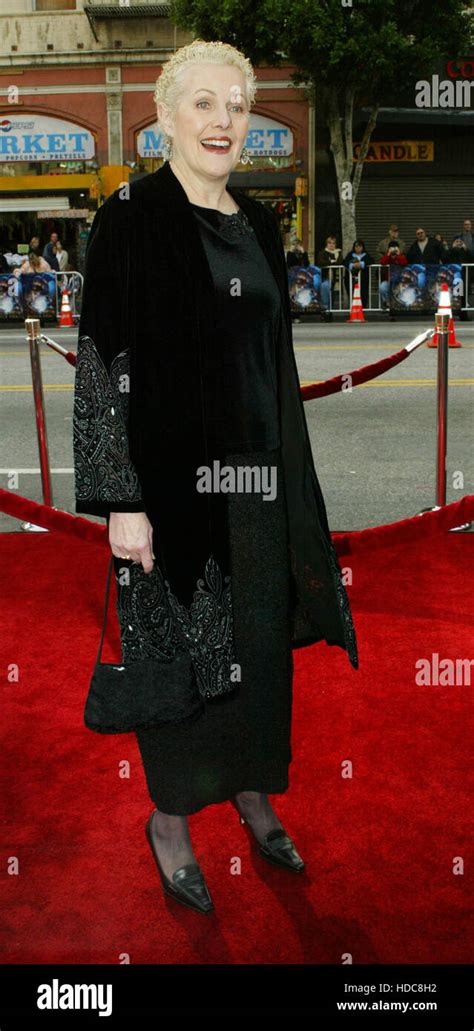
459,254
393,256
297,255
425,250
34,245
330,255
443,244
62,256
392,237
358,261
4,266
49,254
466,234
34,263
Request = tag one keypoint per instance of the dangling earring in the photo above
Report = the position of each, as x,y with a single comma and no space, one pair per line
168,148
244,157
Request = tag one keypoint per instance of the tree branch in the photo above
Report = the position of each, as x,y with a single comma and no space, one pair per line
335,131
348,117
363,150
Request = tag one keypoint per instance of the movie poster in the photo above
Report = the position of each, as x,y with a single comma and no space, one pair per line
416,288
304,286
28,295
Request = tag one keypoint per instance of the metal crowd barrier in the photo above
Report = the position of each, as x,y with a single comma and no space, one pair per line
342,289
39,294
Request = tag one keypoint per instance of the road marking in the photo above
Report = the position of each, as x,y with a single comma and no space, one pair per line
359,347
396,383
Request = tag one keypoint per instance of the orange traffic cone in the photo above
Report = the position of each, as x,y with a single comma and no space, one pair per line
65,316
444,308
357,311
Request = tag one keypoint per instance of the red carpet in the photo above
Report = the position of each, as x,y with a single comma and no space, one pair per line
380,846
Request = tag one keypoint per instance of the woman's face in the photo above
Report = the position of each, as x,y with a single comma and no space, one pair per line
358,248
213,104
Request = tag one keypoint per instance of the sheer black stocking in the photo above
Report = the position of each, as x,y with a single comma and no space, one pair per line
258,813
172,842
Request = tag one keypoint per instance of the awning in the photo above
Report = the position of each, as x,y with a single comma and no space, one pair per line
16,204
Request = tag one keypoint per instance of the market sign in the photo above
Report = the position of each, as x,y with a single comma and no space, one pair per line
69,213
265,138
39,138
401,150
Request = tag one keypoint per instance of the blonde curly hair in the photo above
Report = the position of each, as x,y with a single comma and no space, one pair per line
169,88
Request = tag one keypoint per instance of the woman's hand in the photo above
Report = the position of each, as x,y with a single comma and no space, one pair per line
131,536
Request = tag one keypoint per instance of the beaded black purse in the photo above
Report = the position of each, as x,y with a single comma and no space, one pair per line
146,692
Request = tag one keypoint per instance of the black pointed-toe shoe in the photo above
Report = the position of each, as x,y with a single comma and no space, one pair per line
187,885
277,847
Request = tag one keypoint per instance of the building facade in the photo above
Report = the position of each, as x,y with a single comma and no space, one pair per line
77,118
420,167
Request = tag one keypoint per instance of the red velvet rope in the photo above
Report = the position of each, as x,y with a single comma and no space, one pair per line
426,525
332,386
51,518
362,375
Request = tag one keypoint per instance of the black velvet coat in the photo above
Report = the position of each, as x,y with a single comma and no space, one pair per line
145,357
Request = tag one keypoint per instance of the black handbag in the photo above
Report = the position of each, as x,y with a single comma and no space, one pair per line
127,696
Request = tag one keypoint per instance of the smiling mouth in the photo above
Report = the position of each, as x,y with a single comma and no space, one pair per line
216,145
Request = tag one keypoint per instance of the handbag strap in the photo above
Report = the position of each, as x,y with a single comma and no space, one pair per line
105,608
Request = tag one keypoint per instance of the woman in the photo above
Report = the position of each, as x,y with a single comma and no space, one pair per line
199,332
34,245
328,256
62,256
393,257
296,256
33,263
357,261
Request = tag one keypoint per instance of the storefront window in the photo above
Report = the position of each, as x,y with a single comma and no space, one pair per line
15,168
54,5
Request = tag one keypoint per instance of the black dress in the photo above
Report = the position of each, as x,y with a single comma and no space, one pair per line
242,743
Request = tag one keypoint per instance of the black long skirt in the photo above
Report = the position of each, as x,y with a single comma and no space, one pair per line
242,743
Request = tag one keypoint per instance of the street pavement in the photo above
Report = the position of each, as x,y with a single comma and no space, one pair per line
374,447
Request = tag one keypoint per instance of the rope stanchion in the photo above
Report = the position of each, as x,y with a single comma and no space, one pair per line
32,327
365,373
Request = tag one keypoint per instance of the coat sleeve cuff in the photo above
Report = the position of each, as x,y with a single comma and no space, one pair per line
102,509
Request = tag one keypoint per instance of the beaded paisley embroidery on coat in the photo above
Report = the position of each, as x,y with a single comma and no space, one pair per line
147,625
103,469
344,607
208,629
154,624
